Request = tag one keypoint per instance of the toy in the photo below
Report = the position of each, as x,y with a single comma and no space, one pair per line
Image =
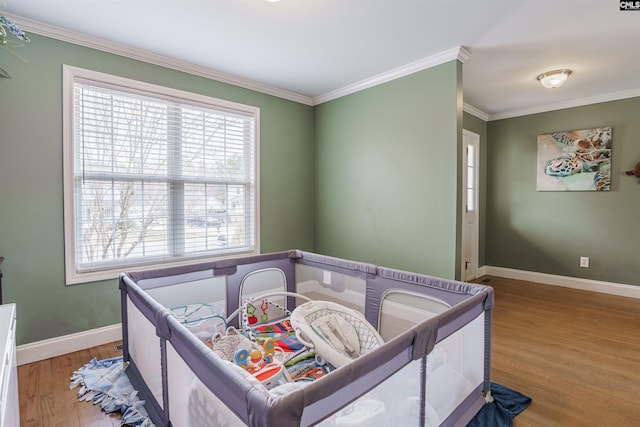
251,314
264,307
269,347
635,172
272,375
255,358
227,346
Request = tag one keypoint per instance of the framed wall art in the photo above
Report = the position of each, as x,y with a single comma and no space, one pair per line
577,160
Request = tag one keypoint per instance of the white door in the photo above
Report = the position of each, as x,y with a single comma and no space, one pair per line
470,151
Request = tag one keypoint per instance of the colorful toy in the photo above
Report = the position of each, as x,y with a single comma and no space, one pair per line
254,359
269,347
264,307
251,314
242,358
226,346
272,375
256,356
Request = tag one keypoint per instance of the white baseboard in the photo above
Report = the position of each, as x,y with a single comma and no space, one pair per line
53,347
564,281
40,350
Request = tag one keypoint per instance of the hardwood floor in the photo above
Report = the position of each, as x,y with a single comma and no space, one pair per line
47,401
575,353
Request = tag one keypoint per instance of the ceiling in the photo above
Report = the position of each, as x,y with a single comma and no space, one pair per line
312,49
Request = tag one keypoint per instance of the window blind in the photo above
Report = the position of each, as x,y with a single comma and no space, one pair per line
159,178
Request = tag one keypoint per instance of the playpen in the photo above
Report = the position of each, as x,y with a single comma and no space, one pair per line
430,368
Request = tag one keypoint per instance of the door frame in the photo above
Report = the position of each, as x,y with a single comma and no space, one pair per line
470,241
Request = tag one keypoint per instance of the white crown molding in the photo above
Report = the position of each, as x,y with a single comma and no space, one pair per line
40,350
463,54
475,112
614,96
458,53
610,288
85,40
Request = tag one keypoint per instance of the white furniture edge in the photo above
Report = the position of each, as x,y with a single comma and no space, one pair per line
611,288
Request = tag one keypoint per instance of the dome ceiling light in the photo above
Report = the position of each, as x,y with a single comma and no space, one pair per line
554,79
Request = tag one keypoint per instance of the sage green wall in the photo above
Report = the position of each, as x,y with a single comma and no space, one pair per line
548,231
479,126
31,215
387,175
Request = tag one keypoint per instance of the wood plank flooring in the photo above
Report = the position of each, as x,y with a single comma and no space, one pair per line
47,401
575,353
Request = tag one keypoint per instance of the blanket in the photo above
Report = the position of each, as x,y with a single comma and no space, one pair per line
506,405
282,332
105,383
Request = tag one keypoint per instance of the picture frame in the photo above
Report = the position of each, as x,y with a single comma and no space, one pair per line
576,160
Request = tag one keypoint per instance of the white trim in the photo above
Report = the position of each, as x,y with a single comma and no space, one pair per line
470,242
92,42
40,350
482,271
615,96
85,40
475,112
458,53
33,352
581,102
70,75
611,288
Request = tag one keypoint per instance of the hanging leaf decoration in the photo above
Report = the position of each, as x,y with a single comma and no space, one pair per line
7,26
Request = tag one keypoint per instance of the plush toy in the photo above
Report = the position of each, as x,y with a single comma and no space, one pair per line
635,172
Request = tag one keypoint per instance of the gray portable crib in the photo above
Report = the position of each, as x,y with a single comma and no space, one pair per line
433,368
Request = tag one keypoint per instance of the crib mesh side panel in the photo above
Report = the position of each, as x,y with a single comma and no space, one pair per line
396,402
191,403
144,349
455,369
235,280
143,346
350,381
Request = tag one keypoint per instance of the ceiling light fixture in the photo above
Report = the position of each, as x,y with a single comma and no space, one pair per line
554,79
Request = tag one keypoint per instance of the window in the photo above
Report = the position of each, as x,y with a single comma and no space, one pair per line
471,178
154,176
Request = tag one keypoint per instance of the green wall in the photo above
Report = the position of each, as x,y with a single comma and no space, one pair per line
548,232
372,176
31,215
386,173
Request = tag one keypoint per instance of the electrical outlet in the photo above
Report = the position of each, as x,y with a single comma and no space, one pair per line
584,261
326,277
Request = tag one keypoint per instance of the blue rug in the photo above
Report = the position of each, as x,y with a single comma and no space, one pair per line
105,383
506,405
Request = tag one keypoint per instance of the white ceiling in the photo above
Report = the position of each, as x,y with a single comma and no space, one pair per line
315,48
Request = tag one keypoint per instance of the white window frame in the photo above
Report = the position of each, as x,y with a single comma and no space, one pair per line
70,75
